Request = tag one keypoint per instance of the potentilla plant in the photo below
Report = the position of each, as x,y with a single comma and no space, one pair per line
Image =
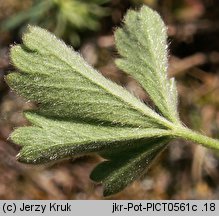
80,112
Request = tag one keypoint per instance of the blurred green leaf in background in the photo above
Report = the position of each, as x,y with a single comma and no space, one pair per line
66,18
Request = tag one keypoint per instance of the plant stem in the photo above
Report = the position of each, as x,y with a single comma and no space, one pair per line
186,133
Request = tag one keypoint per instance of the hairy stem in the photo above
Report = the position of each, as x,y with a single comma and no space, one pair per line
188,134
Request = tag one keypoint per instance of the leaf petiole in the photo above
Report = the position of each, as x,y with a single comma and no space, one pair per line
187,134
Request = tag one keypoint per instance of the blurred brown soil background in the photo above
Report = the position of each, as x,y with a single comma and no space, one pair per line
185,170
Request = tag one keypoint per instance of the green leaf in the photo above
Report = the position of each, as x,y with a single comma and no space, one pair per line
66,87
143,49
81,112
124,166
52,139
69,90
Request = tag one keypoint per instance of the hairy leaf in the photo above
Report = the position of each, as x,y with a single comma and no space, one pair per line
124,166
142,45
81,112
58,78
52,139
